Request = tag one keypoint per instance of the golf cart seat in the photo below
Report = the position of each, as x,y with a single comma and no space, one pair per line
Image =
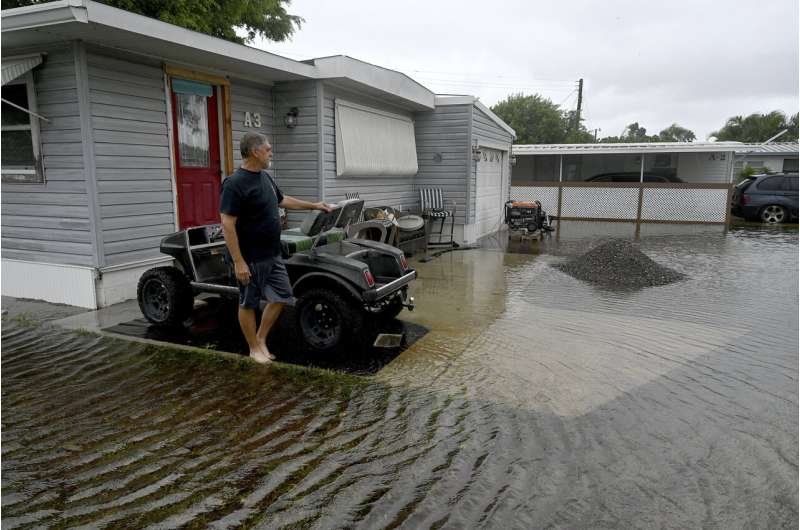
327,227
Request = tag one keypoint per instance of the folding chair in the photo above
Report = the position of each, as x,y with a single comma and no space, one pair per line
354,195
434,207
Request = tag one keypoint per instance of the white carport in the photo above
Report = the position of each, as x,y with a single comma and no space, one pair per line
640,182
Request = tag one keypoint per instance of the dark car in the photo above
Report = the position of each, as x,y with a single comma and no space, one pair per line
766,198
632,176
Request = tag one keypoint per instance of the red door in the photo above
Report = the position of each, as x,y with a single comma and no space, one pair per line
197,160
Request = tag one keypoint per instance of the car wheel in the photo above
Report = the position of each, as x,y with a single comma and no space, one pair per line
165,296
329,321
774,214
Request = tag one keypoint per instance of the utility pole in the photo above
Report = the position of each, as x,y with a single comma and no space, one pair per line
595,134
580,101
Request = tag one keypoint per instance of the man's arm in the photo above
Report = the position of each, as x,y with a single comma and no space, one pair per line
290,203
232,240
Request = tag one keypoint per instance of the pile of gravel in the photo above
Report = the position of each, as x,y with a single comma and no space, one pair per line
619,263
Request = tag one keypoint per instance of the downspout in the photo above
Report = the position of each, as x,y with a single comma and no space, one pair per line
470,144
87,145
321,139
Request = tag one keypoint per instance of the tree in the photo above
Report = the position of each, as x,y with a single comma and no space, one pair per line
633,133
676,133
758,127
535,119
218,18
579,135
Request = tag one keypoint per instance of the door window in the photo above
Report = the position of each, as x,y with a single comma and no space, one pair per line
789,183
771,184
193,137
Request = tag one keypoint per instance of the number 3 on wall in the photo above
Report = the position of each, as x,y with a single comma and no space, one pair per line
252,119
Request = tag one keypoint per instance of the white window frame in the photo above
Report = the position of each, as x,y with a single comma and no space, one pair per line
33,175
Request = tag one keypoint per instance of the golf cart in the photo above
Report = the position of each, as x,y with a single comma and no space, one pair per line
344,287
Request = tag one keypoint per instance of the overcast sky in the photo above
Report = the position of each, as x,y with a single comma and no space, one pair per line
696,63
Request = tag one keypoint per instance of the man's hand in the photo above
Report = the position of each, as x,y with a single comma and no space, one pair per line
242,272
322,206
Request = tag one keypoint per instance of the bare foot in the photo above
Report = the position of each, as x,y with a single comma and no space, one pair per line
263,348
260,357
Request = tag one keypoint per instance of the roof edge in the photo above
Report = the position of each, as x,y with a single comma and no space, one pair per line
381,78
40,15
495,118
622,148
90,12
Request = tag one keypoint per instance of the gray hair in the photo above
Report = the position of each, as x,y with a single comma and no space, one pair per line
251,141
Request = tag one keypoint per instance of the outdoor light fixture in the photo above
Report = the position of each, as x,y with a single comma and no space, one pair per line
513,160
476,153
291,118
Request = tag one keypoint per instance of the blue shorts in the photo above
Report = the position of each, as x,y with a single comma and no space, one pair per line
268,281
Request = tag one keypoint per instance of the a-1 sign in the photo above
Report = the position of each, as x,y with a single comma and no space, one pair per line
252,119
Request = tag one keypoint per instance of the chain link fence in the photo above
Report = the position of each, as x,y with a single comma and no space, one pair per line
640,202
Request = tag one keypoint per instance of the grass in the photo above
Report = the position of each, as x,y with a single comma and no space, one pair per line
25,319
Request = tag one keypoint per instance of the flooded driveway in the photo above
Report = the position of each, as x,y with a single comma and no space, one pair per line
534,401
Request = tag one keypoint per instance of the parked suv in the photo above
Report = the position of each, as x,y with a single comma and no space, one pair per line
766,198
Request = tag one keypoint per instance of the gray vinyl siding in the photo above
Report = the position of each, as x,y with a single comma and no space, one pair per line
296,163
132,156
378,190
485,129
445,130
250,98
49,222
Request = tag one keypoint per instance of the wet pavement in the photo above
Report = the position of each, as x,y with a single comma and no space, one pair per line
534,401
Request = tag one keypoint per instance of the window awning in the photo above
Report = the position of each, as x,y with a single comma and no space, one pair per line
372,142
14,67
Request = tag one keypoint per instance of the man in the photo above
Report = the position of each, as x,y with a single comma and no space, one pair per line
251,223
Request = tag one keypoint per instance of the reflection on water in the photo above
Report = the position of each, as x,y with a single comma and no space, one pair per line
534,401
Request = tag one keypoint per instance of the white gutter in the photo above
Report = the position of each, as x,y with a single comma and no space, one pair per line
47,14
89,12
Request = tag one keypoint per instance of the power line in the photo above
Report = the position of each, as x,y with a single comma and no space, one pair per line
494,85
568,96
561,81
493,81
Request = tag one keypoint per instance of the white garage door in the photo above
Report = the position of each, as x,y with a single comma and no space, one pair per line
489,192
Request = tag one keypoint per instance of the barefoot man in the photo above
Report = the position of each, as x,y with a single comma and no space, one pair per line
250,221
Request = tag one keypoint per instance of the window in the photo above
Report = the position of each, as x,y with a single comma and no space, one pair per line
771,184
373,142
789,183
20,133
790,165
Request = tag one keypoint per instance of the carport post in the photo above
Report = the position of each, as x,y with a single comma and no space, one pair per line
641,194
560,179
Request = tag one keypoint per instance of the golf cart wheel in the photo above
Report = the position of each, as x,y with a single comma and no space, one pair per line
774,214
165,296
329,321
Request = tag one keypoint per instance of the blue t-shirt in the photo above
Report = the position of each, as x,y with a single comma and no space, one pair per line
253,198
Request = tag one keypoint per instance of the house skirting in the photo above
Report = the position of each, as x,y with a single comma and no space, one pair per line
74,285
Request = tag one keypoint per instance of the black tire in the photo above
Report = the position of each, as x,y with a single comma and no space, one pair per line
330,322
165,296
774,214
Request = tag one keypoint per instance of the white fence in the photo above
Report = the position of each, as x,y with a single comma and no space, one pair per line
648,202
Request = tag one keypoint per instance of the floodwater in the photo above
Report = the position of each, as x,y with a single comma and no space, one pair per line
534,401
